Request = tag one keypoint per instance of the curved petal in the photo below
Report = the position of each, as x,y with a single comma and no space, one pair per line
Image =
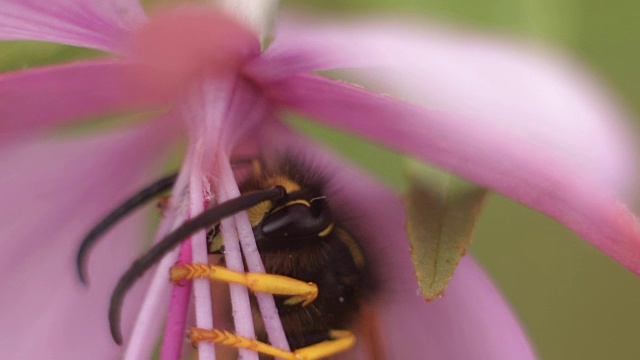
45,97
87,23
472,320
52,192
525,92
522,169
187,43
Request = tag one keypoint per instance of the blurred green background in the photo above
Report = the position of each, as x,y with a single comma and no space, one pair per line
574,302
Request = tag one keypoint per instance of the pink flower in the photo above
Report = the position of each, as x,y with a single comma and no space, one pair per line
522,123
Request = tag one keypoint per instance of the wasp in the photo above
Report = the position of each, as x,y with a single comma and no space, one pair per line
315,267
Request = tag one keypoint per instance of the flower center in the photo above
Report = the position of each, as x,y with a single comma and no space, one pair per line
177,46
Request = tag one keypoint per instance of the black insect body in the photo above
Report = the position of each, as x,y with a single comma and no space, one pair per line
298,238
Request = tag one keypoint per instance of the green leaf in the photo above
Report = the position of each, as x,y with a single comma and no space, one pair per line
442,212
19,55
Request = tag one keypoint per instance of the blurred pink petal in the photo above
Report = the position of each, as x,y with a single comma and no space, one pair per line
59,187
147,325
65,93
87,23
471,320
479,153
516,91
181,46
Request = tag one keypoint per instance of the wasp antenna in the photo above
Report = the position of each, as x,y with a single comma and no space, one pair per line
138,199
207,218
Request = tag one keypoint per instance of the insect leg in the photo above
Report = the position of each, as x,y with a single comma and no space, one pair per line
341,340
302,292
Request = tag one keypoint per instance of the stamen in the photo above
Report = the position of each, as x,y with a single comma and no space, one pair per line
138,199
207,218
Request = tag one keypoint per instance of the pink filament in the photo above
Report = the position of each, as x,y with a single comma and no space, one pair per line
177,317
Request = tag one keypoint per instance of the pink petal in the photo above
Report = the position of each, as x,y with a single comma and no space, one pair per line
526,93
53,191
181,45
38,99
471,321
87,23
147,325
524,170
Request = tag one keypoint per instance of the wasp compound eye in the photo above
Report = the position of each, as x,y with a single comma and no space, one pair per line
293,221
